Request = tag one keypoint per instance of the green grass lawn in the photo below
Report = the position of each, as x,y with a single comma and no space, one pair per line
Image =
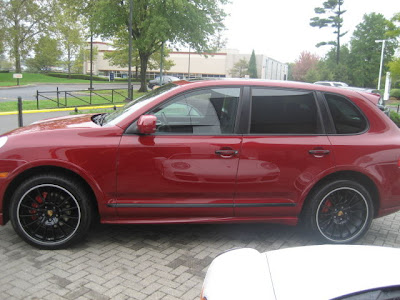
71,101
6,79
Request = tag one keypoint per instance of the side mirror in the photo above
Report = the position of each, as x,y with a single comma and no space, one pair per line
147,124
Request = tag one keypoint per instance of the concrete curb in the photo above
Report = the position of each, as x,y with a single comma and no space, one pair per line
7,113
6,87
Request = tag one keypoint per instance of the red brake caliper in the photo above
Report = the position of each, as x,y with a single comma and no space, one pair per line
36,205
328,204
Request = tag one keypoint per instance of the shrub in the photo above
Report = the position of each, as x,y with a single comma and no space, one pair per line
395,118
87,77
395,93
4,71
77,76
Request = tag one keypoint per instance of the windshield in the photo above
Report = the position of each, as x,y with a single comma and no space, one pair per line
120,114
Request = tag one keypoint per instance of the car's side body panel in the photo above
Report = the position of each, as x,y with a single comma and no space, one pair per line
275,170
171,176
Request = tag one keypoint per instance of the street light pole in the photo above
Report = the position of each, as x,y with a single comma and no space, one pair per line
381,64
130,96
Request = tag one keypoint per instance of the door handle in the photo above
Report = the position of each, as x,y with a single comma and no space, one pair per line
226,153
319,152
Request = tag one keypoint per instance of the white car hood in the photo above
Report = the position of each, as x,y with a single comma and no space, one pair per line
238,274
329,271
310,272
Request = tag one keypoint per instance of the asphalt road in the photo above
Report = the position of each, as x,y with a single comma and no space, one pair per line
10,122
29,92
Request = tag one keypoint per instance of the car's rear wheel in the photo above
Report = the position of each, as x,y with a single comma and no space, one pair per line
341,211
50,211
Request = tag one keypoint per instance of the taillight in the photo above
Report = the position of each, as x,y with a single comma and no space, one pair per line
398,162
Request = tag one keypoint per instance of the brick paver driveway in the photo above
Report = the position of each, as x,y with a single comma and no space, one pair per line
145,262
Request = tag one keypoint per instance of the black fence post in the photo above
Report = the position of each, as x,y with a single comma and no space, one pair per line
37,99
58,98
131,92
20,122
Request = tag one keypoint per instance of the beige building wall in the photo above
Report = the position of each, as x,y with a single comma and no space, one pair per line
197,65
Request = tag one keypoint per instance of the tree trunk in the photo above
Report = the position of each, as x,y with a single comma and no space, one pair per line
338,38
16,45
69,61
144,59
17,57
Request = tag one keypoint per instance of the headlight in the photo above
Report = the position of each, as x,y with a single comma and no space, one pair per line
3,141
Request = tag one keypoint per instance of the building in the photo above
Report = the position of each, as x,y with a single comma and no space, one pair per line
193,65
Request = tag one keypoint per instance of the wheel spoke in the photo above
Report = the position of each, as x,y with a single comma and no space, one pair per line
33,222
34,200
28,216
68,209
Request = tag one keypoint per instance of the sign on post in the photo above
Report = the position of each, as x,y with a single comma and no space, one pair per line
18,76
111,76
388,83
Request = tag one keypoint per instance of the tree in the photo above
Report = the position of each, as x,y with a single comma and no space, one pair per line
253,66
304,64
240,69
332,16
192,23
366,53
70,32
81,58
394,32
394,67
24,20
47,55
120,56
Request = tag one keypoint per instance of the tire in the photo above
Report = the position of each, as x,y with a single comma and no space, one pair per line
51,211
340,212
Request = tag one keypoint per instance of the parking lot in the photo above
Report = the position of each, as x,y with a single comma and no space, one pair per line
145,261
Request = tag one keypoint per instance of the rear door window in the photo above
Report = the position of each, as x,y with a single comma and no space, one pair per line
275,111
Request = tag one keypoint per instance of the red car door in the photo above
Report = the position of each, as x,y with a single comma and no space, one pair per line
187,169
283,153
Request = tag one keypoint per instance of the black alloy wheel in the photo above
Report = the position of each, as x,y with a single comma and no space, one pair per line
341,212
50,212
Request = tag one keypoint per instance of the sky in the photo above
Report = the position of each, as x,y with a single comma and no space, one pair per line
280,28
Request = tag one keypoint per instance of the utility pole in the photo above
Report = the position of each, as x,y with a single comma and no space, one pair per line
161,63
91,60
380,67
130,96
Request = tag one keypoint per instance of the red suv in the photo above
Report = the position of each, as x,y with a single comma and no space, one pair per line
213,151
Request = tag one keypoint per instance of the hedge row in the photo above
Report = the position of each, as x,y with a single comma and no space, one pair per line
77,76
87,77
395,93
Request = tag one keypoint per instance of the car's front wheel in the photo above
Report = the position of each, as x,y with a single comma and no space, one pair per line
50,211
341,211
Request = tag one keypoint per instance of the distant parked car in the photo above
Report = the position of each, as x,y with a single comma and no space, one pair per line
332,83
157,82
202,152
312,272
378,99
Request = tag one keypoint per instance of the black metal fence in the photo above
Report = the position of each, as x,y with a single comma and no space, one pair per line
77,98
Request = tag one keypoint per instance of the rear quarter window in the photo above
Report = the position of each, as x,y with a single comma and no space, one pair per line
346,116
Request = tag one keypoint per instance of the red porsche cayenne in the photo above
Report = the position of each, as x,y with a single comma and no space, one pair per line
202,152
